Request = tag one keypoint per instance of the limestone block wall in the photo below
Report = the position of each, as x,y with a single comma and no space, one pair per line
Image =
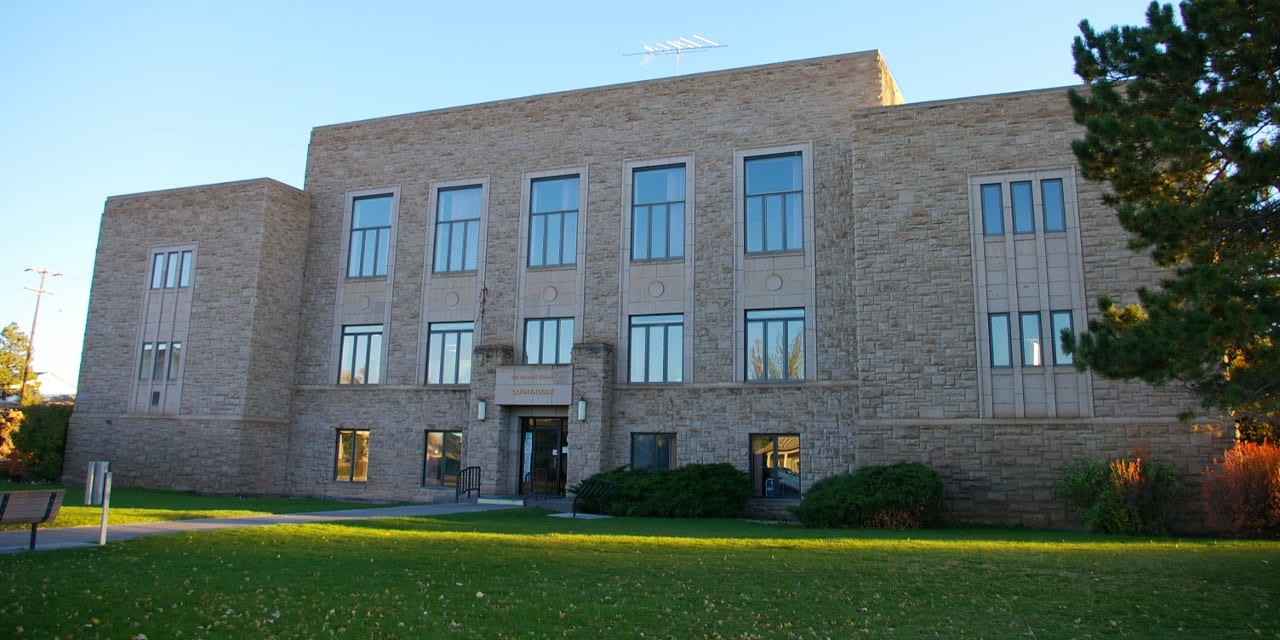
238,353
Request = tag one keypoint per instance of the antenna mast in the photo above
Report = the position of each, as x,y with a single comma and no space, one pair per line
675,47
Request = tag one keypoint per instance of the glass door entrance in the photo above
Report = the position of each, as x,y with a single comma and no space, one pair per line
543,457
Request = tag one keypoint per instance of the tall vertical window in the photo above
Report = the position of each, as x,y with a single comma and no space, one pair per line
361,354
657,213
653,451
160,361
1032,350
442,458
449,352
1060,321
457,228
1055,206
774,205
657,348
998,330
1024,219
548,340
351,456
775,344
553,221
171,269
775,465
370,236
992,210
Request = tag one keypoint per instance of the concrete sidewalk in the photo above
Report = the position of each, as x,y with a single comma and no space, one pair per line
72,537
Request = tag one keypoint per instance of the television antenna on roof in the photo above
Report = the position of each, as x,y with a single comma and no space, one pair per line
675,47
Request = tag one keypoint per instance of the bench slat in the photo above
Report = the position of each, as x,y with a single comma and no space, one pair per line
25,507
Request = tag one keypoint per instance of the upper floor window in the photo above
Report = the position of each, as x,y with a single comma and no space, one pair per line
657,348
457,228
657,213
160,361
548,340
1023,206
998,333
449,352
1060,321
774,205
775,344
1032,345
171,269
361,354
370,236
553,221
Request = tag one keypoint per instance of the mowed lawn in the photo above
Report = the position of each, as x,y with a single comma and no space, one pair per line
522,574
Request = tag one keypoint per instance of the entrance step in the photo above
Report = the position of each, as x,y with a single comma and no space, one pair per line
510,501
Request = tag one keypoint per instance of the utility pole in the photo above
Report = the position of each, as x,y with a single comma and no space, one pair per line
31,339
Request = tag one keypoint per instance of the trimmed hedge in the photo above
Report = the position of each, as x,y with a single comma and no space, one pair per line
906,495
693,491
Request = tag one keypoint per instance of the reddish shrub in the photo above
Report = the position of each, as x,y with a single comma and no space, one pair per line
1242,491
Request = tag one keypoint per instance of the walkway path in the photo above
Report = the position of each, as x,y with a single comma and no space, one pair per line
68,537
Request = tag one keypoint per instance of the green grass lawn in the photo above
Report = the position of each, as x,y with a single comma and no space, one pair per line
521,574
151,505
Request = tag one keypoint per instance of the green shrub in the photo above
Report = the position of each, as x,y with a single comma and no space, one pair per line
1241,491
693,491
39,442
906,495
1128,496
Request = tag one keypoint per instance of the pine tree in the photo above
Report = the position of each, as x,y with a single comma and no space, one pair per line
1180,119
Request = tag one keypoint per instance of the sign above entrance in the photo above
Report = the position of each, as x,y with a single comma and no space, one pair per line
536,385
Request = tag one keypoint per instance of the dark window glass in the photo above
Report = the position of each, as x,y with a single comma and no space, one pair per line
775,465
370,236
653,451
442,458
774,203
1060,321
775,344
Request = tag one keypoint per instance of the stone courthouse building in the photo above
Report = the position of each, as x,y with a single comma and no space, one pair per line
781,267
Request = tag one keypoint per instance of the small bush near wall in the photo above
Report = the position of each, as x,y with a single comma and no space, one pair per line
692,491
1242,491
39,443
906,495
1130,496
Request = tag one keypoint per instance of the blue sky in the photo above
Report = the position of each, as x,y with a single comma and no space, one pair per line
110,97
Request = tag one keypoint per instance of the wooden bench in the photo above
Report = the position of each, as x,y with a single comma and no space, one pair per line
30,507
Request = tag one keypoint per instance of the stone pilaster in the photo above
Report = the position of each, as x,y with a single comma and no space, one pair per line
593,367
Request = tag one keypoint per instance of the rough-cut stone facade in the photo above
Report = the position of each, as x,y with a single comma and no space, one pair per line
886,280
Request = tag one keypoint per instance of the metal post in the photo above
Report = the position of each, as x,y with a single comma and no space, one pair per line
106,506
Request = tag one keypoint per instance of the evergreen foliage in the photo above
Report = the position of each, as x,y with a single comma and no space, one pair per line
1180,122
906,495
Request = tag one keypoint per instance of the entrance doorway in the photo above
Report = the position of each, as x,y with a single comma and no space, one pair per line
543,455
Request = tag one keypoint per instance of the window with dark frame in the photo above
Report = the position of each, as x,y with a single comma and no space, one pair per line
1032,344
449,347
775,465
553,221
653,451
171,269
370,236
160,361
351,456
1060,321
656,344
998,330
548,340
657,212
774,203
361,355
775,345
442,458
457,228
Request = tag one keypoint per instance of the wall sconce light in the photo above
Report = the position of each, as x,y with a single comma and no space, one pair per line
482,410
582,409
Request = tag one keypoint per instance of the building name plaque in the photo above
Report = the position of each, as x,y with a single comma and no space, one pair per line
537,385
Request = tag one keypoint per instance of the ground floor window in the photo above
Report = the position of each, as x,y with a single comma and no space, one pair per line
775,465
351,458
442,459
653,451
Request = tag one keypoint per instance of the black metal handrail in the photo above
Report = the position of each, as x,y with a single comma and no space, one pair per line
590,490
468,481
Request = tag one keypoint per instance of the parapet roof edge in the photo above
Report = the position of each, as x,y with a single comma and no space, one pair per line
228,183
982,96
758,67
